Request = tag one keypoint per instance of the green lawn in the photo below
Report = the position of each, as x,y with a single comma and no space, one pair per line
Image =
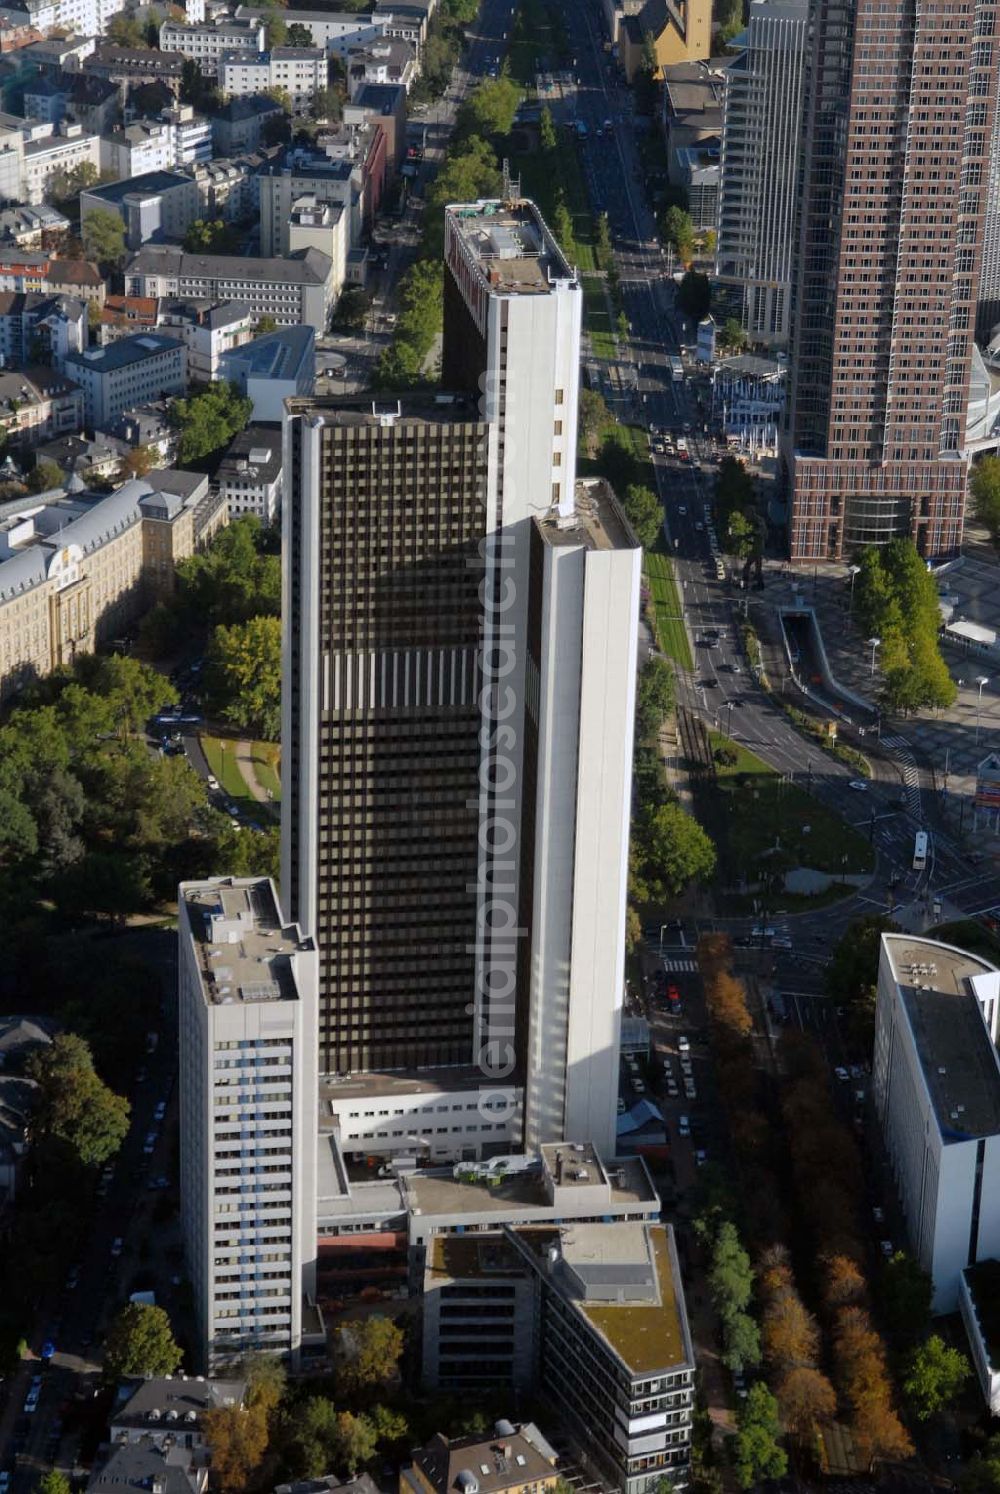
670,631
766,819
598,318
542,178
221,758
533,39
266,758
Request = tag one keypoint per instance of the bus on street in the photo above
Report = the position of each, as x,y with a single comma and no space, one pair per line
920,851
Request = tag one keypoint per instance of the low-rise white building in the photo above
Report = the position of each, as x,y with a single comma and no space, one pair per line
300,71
336,31
45,158
249,475
247,1010
209,330
296,291
205,44
126,373
271,369
154,206
936,1086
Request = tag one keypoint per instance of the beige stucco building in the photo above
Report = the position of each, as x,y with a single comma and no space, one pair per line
78,568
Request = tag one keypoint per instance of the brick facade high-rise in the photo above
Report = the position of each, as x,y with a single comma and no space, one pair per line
899,118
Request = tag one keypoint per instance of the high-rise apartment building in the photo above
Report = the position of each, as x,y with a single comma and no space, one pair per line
459,685
247,1011
896,160
761,145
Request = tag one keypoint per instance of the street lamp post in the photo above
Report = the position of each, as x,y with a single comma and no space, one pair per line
874,643
853,569
981,680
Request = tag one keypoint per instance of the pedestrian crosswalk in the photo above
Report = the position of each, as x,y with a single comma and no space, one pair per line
903,753
679,962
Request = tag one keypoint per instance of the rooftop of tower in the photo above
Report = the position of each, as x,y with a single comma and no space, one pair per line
389,409
242,950
596,523
510,245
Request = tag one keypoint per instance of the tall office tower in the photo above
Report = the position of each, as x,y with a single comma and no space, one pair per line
380,722
247,1007
899,118
761,144
459,690
988,307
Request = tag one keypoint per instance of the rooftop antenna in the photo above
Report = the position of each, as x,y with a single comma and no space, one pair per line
511,186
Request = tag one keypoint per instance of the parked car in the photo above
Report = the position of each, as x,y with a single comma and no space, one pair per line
683,1044
212,782
683,1125
886,1248
117,1246
160,1111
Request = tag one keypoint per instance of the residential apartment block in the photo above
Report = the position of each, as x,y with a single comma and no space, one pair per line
300,71
936,1086
41,329
898,130
249,475
297,291
210,331
513,1459
206,44
45,158
336,32
77,570
247,996
128,372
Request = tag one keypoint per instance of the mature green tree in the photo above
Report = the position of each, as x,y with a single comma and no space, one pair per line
852,973
732,336
605,248
309,1437
730,1279
678,230
742,534
125,31
593,419
905,1294
131,690
140,1341
210,236
208,420
672,850
694,295
489,109
644,512
104,236
740,1342
299,35
984,488
45,476
244,668
547,131
234,579
391,1427
462,12
53,1482
237,1439
356,1441
325,104
368,1353
75,1106
352,309
757,1453
934,1379
654,698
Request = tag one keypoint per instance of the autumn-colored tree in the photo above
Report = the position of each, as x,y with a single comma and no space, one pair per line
844,1284
865,1387
368,1353
136,463
806,1400
237,1438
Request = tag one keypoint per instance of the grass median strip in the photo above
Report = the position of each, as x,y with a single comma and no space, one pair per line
671,634
221,759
